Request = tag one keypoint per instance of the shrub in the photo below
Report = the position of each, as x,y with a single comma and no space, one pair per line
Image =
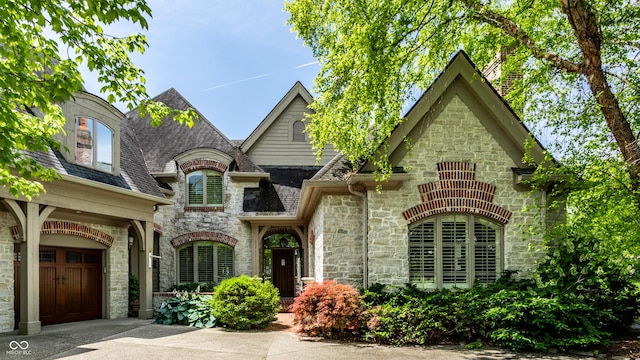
134,287
329,310
245,303
186,309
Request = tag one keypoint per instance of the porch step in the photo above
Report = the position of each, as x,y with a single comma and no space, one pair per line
285,302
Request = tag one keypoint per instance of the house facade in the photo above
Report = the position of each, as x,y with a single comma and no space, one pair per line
175,206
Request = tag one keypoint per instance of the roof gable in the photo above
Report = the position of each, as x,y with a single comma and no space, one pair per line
461,78
297,90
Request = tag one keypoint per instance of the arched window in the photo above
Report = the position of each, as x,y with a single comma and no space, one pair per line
204,261
94,144
204,188
454,250
298,131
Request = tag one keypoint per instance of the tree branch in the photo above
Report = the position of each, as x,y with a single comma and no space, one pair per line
480,12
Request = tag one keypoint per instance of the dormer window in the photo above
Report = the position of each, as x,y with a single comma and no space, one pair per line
204,188
94,144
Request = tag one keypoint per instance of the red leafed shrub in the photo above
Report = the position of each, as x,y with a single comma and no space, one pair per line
329,309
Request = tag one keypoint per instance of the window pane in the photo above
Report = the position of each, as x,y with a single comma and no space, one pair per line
225,262
298,131
205,262
214,188
485,248
48,256
454,250
104,149
195,195
73,257
422,255
185,264
84,141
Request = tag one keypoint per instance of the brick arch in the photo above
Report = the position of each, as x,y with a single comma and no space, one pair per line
69,228
457,191
203,236
200,164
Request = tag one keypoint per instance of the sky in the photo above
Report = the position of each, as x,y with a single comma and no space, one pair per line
233,60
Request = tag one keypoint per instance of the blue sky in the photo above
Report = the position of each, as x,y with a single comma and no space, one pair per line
232,60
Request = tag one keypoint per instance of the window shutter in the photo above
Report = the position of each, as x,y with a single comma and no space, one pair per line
454,250
205,262
194,189
185,264
225,262
485,251
214,188
422,255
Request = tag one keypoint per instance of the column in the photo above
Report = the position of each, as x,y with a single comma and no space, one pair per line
146,272
30,273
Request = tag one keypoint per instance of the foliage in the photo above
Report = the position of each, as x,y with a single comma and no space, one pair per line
579,299
134,287
36,79
245,303
574,61
328,309
186,309
194,287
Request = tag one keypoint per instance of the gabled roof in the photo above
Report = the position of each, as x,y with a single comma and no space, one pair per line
297,90
161,144
461,77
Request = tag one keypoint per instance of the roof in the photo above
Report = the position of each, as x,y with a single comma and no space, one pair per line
177,138
296,90
133,176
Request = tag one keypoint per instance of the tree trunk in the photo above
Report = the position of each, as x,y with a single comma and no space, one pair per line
587,32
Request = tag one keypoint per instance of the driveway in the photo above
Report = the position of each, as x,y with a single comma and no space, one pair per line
141,339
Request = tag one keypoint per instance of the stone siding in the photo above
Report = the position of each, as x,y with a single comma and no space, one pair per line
7,311
177,222
338,244
455,135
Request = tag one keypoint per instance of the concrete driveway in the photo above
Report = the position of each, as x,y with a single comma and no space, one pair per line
141,339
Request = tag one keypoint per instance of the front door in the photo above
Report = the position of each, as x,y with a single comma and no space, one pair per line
70,284
283,271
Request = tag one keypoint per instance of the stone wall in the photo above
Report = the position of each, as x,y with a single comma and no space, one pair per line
455,135
338,239
175,222
7,313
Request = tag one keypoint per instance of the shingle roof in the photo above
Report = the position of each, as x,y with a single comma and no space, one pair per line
161,144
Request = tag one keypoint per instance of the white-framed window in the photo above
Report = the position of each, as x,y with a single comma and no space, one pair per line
204,188
94,144
204,261
454,250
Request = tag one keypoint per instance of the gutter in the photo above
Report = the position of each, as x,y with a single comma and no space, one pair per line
95,184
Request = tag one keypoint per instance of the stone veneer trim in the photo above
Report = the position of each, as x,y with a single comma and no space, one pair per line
203,236
69,228
457,191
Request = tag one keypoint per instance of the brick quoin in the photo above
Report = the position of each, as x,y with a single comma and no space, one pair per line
457,191
203,236
69,228
199,164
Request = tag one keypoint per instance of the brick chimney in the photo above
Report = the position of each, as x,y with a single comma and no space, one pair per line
84,143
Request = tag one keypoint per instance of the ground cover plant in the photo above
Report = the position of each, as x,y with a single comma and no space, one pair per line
186,308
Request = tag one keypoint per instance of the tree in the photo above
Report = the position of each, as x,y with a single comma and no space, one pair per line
580,76
34,76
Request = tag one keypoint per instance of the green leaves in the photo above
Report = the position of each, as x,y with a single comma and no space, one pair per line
35,76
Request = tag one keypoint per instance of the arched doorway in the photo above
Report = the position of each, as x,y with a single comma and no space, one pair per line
282,254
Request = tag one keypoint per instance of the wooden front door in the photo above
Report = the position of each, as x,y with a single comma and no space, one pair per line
283,275
70,285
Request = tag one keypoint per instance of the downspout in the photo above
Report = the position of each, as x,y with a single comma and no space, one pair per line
365,235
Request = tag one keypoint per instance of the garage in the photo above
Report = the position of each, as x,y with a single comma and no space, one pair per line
70,284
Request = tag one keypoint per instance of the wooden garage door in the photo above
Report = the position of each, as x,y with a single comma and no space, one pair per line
70,284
